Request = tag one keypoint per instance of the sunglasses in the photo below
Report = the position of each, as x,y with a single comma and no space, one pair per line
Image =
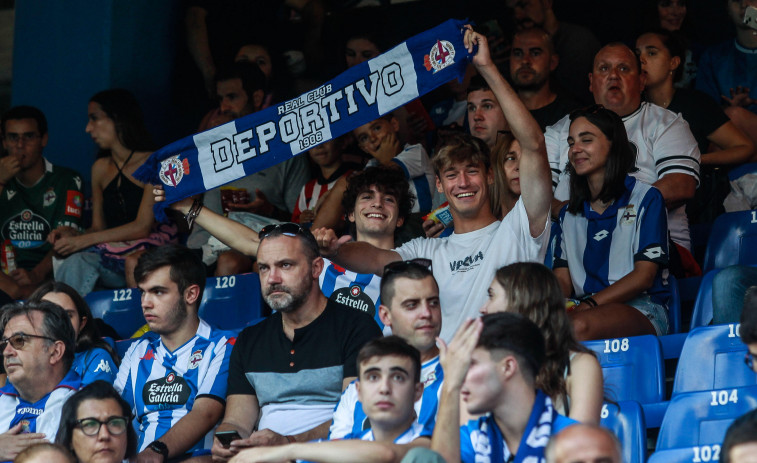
19,340
402,266
286,228
91,426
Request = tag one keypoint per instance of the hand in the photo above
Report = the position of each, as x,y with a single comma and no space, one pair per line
482,58
61,232
149,456
22,277
740,97
67,245
328,242
307,216
222,454
388,147
219,118
12,442
262,455
267,438
260,205
432,228
455,358
9,167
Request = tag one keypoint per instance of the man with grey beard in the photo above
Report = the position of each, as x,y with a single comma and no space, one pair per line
290,369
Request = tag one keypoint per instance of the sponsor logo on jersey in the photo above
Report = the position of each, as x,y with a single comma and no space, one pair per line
48,198
30,411
355,298
149,355
73,203
26,230
469,263
442,54
10,194
600,235
166,393
195,359
103,366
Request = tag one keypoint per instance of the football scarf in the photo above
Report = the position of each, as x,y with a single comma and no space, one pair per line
359,95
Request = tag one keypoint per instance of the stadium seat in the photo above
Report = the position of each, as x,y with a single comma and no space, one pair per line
632,367
700,453
702,418
232,302
702,313
713,358
733,235
743,169
119,308
674,306
626,420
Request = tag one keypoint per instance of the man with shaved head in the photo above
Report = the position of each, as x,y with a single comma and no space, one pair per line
667,154
584,443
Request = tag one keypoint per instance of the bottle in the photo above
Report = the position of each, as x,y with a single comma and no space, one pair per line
8,257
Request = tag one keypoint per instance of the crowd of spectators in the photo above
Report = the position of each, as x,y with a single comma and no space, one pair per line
431,274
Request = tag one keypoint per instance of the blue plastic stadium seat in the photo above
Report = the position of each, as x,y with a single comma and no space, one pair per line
750,168
702,418
732,241
633,368
119,308
700,453
713,358
702,313
232,302
626,420
674,306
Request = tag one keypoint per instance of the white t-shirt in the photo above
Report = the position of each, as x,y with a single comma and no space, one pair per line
663,143
464,263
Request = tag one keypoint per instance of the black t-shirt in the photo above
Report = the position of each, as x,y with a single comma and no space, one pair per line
703,114
553,112
331,340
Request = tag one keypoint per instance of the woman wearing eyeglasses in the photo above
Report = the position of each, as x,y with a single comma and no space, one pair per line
612,244
123,224
96,425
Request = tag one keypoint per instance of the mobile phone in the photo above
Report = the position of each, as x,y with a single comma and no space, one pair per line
225,437
750,17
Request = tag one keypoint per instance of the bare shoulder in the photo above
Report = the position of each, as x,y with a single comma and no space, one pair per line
583,364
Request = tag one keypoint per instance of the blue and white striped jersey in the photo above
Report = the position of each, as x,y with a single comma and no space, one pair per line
600,249
350,420
162,386
41,416
415,431
416,165
93,364
360,291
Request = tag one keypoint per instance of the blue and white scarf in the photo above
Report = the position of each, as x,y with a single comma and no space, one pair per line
534,440
359,95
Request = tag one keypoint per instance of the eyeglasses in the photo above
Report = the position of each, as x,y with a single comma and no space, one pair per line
749,360
286,228
401,266
91,426
19,340
26,137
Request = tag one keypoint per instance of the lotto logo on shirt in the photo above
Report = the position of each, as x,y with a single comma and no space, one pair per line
73,203
166,393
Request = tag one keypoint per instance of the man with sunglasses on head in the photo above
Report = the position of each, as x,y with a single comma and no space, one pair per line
36,197
466,261
38,350
287,372
410,307
175,377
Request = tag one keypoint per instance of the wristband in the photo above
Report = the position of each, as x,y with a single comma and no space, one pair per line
291,439
194,211
590,300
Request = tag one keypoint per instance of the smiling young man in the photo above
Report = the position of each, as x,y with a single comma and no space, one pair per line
388,384
465,262
175,382
412,310
38,350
